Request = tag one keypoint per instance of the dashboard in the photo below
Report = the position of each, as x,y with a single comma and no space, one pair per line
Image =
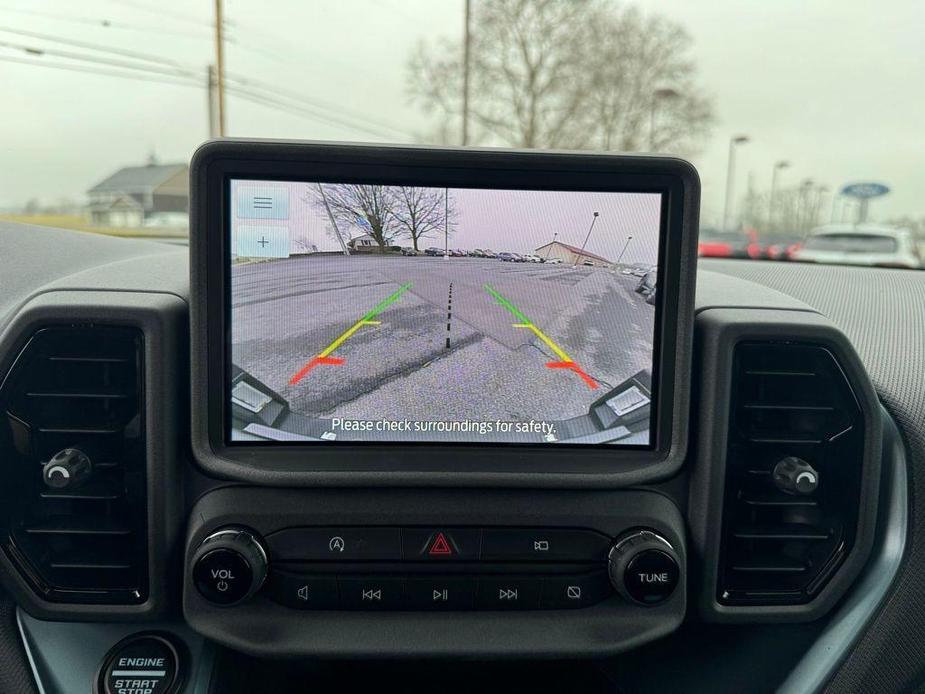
185,507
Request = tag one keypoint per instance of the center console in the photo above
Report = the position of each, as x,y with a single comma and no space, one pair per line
432,448
449,429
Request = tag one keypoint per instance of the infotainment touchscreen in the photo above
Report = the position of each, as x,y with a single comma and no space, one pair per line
360,312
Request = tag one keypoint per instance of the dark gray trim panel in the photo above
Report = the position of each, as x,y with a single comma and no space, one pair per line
65,658
263,628
718,331
162,319
433,464
822,661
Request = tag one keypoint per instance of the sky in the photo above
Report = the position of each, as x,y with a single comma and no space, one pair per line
501,220
835,87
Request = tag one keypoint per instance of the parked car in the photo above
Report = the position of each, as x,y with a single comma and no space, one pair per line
531,258
647,283
874,245
728,244
433,250
553,261
488,253
408,250
506,257
477,253
460,253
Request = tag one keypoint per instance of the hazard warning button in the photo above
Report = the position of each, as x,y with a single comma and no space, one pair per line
441,544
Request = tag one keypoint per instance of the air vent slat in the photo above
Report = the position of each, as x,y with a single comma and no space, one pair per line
77,387
791,531
98,395
70,526
772,498
790,401
758,567
89,431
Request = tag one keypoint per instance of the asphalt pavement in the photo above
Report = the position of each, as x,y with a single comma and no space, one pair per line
422,338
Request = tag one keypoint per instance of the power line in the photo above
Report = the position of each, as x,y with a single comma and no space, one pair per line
96,59
94,47
264,100
106,23
161,12
96,71
305,101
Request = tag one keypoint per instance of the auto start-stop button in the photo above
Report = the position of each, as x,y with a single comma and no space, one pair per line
141,664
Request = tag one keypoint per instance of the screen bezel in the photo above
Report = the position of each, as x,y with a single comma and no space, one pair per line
217,163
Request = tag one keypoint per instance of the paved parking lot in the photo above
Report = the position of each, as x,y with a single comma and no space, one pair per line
425,338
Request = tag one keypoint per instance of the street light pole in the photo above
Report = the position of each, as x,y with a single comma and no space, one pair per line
783,164
803,216
730,176
625,246
581,253
549,250
658,95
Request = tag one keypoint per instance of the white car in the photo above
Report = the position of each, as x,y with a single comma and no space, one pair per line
873,245
553,261
530,258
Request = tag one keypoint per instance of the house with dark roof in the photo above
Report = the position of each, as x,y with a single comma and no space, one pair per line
134,195
571,255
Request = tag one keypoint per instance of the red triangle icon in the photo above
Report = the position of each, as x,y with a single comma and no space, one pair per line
440,546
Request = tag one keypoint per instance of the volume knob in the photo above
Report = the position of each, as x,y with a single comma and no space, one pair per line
643,567
229,566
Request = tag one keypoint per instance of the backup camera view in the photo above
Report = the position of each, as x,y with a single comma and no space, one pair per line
401,313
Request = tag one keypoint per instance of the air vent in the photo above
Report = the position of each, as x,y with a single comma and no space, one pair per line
789,401
76,387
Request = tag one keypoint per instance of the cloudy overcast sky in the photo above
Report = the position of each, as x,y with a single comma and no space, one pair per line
834,86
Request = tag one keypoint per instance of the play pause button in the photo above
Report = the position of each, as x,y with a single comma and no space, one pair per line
440,593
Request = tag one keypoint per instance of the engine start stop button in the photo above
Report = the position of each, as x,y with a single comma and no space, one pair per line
141,664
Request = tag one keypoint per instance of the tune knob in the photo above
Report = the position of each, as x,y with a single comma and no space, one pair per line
643,567
67,469
229,566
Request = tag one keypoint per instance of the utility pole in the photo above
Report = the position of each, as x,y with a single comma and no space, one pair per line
466,47
593,220
210,98
324,199
220,66
446,223
730,176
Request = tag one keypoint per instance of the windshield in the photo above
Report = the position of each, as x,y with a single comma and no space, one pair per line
852,243
797,116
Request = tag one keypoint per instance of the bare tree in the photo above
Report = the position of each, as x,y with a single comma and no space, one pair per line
644,94
367,208
564,73
423,212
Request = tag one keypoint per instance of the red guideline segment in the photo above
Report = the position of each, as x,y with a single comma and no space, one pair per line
317,361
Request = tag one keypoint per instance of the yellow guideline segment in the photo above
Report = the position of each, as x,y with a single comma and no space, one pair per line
549,343
346,334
